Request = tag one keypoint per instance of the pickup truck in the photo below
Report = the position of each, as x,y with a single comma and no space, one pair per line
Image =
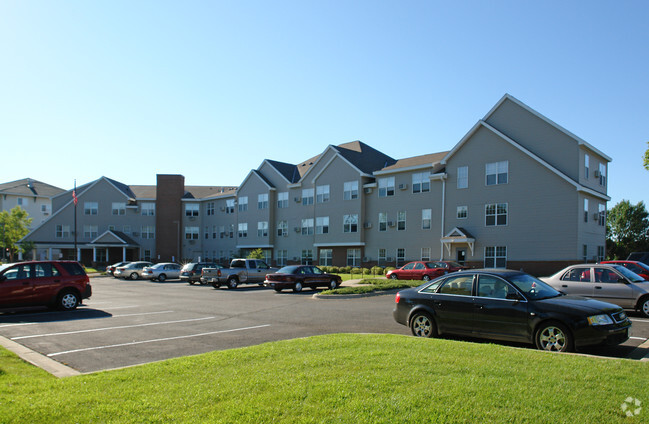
241,271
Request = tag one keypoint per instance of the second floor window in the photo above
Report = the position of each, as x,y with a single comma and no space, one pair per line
90,231
586,166
262,229
243,203
463,177
191,233
602,174
383,221
401,220
386,187
209,209
421,182
243,230
147,209
350,190
262,201
282,200
322,225
322,193
307,227
119,208
148,231
90,208
307,196
462,212
62,231
229,206
496,214
497,173
350,223
191,209
426,218
282,228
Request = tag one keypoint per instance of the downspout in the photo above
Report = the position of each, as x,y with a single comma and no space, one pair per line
441,250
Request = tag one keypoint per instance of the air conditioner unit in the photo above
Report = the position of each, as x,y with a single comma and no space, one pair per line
367,225
597,174
297,199
368,190
403,186
391,223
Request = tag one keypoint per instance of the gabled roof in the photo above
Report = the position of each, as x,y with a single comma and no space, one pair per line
30,187
367,159
579,141
204,192
116,238
121,187
258,174
286,170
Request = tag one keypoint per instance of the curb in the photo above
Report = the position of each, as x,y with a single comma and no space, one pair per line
57,369
355,296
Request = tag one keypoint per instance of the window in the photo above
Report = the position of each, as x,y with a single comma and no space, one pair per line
495,257
353,257
62,231
222,232
262,229
383,221
600,253
307,227
90,208
209,209
90,231
602,215
191,209
21,202
350,190
322,194
100,256
282,200
43,208
191,233
383,256
322,225
602,174
147,209
242,230
229,206
462,212
307,196
307,257
401,220
111,228
457,285
586,166
401,256
426,218
585,253
585,210
126,229
148,231
262,201
496,214
421,182
282,255
243,203
386,187
325,257
119,208
231,231
282,228
215,232
497,173
463,177
350,223
425,253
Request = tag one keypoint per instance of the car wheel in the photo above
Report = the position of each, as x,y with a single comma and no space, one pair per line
554,337
67,301
232,283
278,290
422,325
426,278
333,284
162,277
298,287
643,305
394,276
133,276
191,282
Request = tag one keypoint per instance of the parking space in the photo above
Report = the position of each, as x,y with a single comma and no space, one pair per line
133,322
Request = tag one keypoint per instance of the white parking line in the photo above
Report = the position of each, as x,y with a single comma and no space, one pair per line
108,328
18,324
638,338
639,320
156,340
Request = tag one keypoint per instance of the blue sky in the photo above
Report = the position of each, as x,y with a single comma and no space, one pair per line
209,89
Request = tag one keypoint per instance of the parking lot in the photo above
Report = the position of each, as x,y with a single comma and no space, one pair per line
126,323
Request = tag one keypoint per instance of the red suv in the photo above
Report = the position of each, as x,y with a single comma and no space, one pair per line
59,284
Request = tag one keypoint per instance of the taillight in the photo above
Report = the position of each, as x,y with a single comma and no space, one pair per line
397,298
218,272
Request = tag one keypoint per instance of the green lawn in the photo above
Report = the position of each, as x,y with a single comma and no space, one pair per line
337,378
370,285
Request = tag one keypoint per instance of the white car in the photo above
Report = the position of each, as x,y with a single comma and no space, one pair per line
162,271
606,282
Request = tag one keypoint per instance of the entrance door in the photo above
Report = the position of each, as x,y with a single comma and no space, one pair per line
460,256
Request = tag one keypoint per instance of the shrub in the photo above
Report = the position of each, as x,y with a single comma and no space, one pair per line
334,269
346,270
377,270
355,271
366,271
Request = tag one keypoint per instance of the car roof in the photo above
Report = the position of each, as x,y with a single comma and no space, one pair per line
492,271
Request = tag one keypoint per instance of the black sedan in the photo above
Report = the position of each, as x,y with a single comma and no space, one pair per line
297,277
512,306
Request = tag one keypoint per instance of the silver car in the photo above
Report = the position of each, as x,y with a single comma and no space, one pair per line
609,283
162,271
131,271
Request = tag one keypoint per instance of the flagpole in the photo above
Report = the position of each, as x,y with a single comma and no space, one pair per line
74,198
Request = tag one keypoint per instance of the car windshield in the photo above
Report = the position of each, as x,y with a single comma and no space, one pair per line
288,269
630,275
5,266
533,288
454,264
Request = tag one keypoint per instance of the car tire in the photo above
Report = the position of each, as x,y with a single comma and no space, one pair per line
426,278
162,278
232,283
643,306
423,325
298,287
191,282
333,284
553,337
394,276
67,300
134,276
278,290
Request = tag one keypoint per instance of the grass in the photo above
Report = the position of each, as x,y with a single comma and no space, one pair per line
336,378
370,285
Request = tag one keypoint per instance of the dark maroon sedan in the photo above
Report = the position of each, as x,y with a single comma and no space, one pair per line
297,277
424,270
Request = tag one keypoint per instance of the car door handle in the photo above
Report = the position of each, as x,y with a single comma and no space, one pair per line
25,283
598,287
479,306
437,303
564,285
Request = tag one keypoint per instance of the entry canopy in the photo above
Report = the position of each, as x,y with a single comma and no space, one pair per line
458,235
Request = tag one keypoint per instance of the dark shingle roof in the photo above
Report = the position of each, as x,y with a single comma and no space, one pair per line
288,170
30,187
364,157
430,159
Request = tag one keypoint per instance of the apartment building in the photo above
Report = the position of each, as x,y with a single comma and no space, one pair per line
516,191
35,197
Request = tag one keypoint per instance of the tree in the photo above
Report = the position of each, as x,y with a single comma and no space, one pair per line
646,158
14,225
256,254
627,229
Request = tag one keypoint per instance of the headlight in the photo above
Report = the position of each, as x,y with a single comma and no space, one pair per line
600,320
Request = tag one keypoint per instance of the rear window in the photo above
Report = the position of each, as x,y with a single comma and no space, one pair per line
72,268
